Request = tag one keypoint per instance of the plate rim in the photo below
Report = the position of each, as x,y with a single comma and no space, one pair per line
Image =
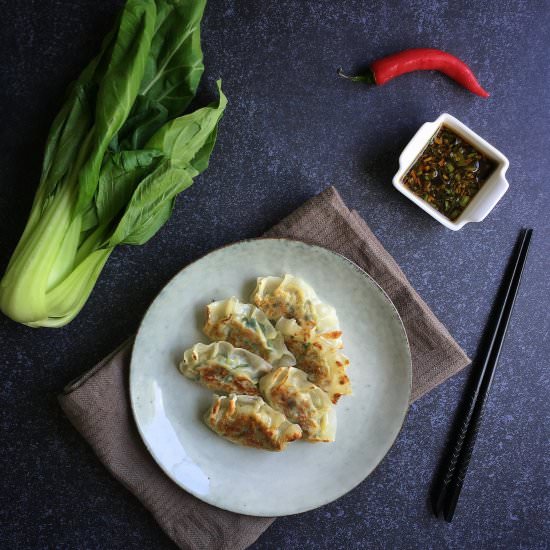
364,273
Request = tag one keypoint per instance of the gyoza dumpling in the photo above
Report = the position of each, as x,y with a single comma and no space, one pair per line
310,328
246,326
223,368
318,357
293,298
288,390
248,420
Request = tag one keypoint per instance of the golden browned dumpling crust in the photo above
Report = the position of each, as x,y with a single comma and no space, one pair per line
288,390
316,355
246,326
223,368
248,420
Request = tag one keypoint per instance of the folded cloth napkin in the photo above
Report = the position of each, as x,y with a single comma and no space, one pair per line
98,403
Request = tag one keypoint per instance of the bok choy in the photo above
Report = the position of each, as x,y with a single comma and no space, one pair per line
117,155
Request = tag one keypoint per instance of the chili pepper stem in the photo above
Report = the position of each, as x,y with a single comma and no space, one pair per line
367,77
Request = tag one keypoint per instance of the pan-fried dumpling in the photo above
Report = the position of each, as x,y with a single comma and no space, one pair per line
248,420
318,357
293,298
246,326
310,328
223,368
288,390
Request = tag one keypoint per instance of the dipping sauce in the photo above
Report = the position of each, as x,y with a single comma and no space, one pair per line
448,173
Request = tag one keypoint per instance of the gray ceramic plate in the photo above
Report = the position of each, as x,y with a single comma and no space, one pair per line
168,407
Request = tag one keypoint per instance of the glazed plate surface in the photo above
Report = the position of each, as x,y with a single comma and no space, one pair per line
168,407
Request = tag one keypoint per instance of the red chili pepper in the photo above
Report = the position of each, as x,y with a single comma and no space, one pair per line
420,59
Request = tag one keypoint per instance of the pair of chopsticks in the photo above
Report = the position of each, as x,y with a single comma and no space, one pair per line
456,467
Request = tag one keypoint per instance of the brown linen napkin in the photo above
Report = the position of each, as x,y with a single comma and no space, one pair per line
98,403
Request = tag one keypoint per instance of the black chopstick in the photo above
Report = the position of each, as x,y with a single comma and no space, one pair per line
457,465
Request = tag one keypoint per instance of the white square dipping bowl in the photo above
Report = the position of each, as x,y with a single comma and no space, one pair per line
485,199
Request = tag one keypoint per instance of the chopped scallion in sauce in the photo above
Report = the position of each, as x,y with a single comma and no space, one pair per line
448,173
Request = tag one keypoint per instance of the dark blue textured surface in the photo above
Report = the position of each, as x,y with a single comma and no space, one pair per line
291,129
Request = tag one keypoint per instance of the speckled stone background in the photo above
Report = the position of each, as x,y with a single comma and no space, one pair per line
292,128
